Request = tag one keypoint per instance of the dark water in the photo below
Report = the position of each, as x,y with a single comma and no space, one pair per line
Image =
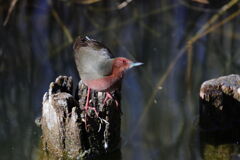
160,104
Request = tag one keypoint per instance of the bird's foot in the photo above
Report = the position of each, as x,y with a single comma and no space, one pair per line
92,109
109,96
89,112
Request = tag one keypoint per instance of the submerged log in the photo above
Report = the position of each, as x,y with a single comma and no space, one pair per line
70,130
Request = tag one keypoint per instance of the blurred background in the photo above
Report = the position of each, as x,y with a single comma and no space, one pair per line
181,43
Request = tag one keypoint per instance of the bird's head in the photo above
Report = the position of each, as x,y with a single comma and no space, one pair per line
121,64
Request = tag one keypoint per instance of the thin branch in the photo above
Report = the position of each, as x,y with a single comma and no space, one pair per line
63,26
189,64
10,10
196,8
150,29
217,15
86,2
124,4
214,27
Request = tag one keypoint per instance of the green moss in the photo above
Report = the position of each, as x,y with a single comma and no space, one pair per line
220,152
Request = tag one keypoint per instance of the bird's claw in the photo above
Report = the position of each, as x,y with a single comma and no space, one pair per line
94,109
109,96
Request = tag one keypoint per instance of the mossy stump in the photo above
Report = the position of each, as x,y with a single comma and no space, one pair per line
69,130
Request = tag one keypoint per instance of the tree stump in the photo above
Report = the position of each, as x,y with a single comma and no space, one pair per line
220,103
219,117
69,130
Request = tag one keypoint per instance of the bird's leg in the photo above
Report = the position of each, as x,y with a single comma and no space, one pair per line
109,96
87,101
87,106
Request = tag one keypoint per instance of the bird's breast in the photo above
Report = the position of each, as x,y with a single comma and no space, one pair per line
107,83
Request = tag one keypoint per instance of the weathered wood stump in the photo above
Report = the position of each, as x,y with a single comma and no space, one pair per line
220,117
70,130
220,103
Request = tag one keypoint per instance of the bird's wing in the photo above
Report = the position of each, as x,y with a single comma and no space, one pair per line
93,60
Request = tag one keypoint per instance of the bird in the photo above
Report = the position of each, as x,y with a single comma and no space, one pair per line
97,68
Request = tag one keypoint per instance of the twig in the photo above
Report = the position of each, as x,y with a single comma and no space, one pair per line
10,10
150,29
63,26
201,1
214,27
159,10
196,8
124,4
86,2
189,63
217,15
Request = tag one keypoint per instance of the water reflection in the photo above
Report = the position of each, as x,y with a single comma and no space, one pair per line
157,124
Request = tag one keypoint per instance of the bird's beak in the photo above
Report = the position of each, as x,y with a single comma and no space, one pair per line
134,64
